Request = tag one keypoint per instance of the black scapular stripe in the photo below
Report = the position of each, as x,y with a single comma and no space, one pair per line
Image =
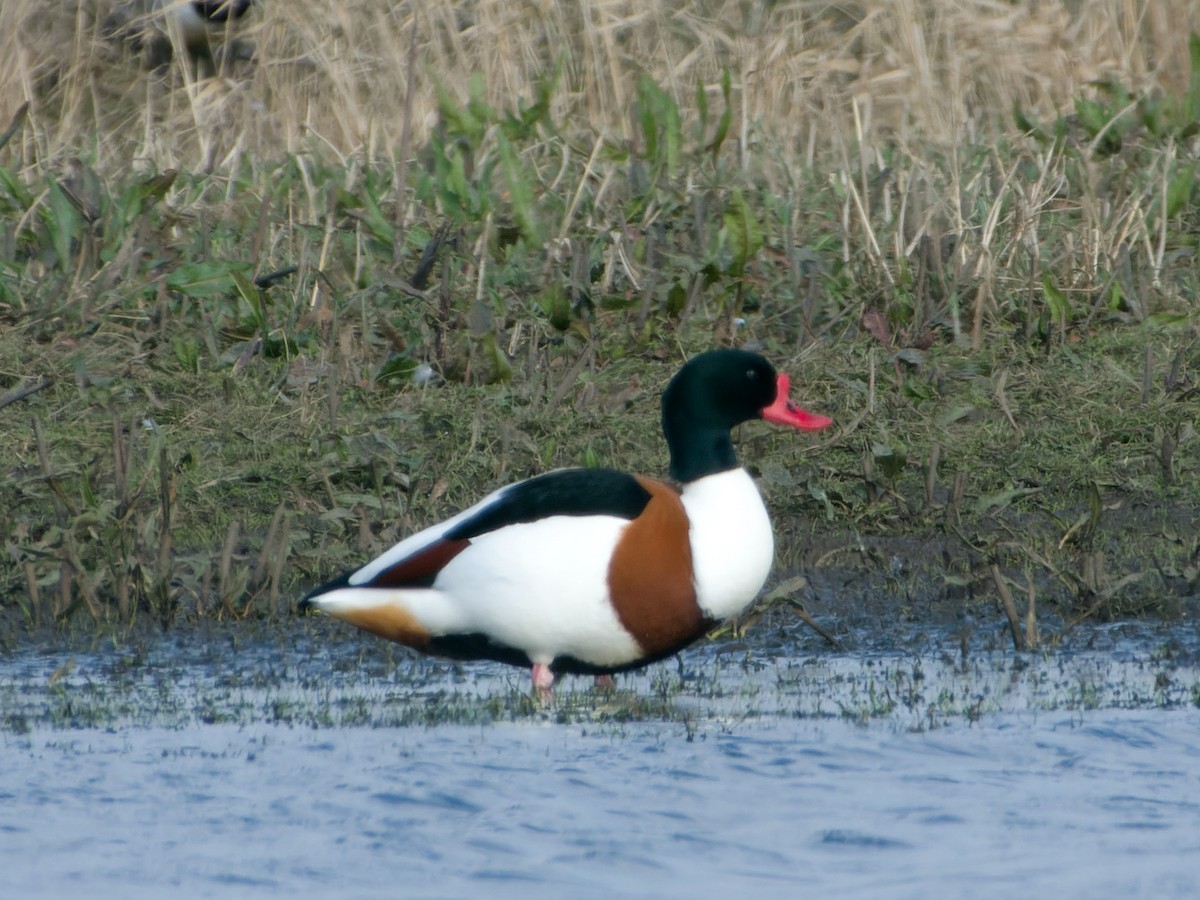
567,492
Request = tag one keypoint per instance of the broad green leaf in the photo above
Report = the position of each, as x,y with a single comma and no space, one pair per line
279,346
64,222
204,279
819,494
910,355
187,353
376,222
674,135
454,192
476,105
890,460
522,125
1192,111
647,114
397,369
250,293
1022,121
1002,499
726,117
14,187
520,191
142,196
1151,113
1092,116
1179,190
1060,307
459,121
676,299
661,125
556,306
957,413
1115,296
745,235
248,290
501,367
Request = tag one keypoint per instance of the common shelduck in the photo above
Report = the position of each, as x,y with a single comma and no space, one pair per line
152,27
200,21
592,571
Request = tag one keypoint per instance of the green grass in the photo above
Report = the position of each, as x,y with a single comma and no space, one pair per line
231,416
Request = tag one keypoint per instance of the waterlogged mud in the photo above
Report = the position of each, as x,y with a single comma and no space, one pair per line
302,758
320,673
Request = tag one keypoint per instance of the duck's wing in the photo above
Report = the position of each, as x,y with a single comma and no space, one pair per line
416,561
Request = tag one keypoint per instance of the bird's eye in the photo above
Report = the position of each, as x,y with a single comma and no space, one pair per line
752,374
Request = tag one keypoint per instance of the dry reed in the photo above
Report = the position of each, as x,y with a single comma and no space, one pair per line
808,77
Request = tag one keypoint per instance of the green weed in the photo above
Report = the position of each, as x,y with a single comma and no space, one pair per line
262,371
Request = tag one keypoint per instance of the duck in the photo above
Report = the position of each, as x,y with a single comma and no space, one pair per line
201,21
592,571
154,28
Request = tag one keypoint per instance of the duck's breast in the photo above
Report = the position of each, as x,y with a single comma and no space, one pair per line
732,543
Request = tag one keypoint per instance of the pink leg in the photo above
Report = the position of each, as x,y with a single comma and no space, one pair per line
605,683
543,680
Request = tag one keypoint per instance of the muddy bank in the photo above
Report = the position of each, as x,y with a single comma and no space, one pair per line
1132,563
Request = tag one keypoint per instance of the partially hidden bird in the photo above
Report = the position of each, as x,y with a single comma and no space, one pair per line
592,571
156,28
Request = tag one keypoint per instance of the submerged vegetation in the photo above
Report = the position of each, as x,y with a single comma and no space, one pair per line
260,322
333,680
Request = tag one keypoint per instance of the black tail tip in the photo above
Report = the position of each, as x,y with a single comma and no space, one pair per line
308,605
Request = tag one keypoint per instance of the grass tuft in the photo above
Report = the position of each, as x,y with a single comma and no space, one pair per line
260,321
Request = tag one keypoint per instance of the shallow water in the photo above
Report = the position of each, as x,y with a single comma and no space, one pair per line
209,769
